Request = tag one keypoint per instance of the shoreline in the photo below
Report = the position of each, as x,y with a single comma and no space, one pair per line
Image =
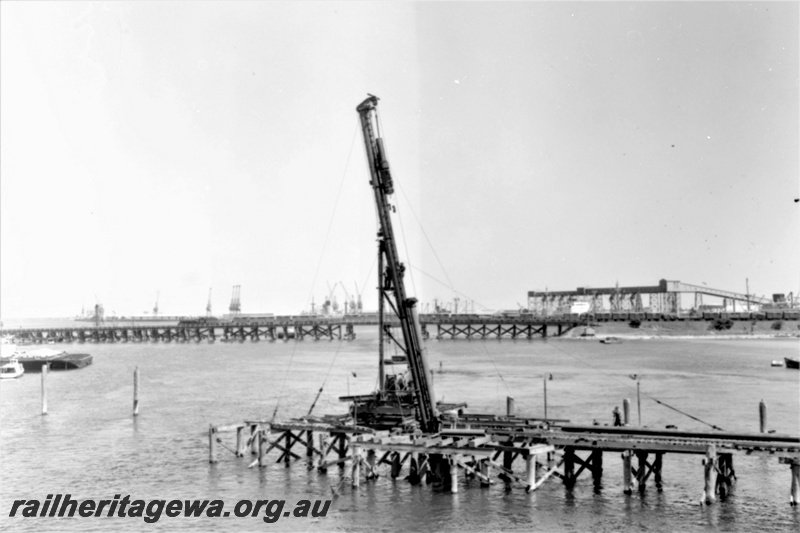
687,337
685,330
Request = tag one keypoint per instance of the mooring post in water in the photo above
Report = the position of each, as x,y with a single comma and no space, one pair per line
530,471
261,436
413,468
253,439
288,442
508,467
710,464
626,471
486,471
627,483
569,466
322,453
212,444
626,412
657,471
44,388
638,402
241,444
762,416
371,474
794,498
545,396
725,474
396,465
641,472
509,406
310,443
356,453
136,391
454,473
597,466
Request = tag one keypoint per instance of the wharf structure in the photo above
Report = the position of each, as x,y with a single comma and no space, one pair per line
438,326
297,328
511,451
664,300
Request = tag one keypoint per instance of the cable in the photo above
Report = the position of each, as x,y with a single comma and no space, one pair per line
369,274
324,381
333,215
647,396
319,264
424,234
408,256
449,287
285,376
681,412
508,390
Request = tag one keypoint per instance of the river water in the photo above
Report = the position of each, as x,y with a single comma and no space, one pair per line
90,446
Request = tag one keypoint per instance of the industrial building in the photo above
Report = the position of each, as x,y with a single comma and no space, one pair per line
667,297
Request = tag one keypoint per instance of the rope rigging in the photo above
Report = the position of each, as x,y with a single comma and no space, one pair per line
316,274
449,285
333,215
497,370
647,396
427,239
324,381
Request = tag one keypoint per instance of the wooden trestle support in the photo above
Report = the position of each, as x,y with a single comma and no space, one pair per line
433,460
497,331
516,451
183,333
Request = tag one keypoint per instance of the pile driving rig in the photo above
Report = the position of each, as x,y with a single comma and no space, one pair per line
406,401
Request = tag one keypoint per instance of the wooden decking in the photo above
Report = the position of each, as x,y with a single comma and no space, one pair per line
517,451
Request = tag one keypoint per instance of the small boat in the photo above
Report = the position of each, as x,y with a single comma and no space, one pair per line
12,369
792,363
776,362
611,340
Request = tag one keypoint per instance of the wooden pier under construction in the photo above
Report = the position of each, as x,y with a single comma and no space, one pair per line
506,450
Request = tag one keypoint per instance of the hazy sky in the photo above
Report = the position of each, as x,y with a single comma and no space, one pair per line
175,147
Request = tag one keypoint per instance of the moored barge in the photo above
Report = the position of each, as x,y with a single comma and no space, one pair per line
33,360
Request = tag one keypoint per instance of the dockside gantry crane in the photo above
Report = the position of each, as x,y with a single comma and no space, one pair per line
417,396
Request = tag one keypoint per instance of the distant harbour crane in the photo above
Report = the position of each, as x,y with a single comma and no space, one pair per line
99,312
236,302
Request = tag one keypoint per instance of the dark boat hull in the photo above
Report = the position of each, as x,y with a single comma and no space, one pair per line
71,361
792,363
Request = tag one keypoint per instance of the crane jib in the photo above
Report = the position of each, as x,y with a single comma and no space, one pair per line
383,167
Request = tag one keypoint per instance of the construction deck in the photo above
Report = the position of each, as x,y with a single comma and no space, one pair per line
515,451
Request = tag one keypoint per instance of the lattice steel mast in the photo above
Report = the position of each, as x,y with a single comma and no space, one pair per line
392,289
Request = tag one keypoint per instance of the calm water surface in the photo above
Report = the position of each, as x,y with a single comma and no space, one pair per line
90,446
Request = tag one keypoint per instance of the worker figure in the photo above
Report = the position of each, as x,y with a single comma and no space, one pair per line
401,382
617,416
